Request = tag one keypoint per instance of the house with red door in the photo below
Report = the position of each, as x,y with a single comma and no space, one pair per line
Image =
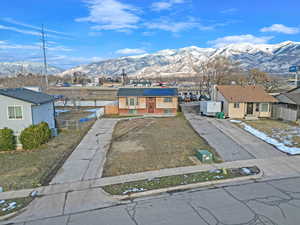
147,101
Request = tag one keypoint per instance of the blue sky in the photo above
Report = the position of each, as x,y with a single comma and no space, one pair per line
83,31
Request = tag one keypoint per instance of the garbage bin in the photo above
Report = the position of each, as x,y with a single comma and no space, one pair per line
221,115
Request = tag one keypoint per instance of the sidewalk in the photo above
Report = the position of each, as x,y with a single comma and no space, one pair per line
68,198
272,168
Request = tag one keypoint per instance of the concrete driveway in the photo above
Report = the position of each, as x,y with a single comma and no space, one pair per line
231,142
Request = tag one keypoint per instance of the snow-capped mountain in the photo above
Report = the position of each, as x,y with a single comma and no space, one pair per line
266,57
14,68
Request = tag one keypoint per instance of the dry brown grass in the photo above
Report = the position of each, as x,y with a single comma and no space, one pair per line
27,169
151,144
275,128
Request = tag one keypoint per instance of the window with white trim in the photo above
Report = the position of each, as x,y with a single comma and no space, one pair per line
264,107
236,105
168,99
131,101
15,112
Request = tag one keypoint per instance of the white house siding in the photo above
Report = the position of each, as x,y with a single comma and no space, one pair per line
17,125
43,113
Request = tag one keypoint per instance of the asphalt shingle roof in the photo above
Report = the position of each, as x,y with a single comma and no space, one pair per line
251,93
291,98
147,92
27,95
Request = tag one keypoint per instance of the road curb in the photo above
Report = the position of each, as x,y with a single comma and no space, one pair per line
10,215
185,187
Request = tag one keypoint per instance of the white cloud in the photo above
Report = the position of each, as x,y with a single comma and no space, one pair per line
29,32
280,28
4,45
247,38
165,5
111,15
176,27
130,51
2,27
15,22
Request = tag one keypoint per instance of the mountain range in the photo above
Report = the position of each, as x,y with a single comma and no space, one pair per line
14,68
271,58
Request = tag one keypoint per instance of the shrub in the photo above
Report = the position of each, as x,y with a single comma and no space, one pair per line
35,135
7,139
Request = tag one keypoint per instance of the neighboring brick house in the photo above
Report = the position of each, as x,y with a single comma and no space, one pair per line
244,101
143,101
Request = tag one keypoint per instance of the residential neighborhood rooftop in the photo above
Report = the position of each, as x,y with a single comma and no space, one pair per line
290,98
250,93
27,95
147,92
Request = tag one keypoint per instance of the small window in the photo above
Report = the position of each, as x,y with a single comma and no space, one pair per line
131,101
236,105
168,99
15,112
167,111
264,107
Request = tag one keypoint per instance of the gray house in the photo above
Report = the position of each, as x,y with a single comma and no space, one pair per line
20,108
288,106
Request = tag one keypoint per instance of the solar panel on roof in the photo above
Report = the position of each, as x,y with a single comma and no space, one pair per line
159,92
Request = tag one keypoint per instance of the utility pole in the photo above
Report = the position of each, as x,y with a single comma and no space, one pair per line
44,54
124,75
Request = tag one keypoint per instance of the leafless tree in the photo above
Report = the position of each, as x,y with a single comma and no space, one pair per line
257,77
219,70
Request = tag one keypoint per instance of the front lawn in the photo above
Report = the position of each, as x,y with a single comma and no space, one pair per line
29,169
286,132
151,144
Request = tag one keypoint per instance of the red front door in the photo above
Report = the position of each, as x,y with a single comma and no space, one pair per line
151,105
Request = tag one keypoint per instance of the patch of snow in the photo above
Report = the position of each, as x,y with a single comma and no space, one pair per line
133,190
235,121
279,145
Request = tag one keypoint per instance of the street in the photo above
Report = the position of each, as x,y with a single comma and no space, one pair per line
275,202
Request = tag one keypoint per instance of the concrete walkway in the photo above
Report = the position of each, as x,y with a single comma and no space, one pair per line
87,160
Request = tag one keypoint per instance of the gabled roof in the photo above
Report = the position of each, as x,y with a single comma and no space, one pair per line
289,98
27,95
294,90
147,92
237,93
